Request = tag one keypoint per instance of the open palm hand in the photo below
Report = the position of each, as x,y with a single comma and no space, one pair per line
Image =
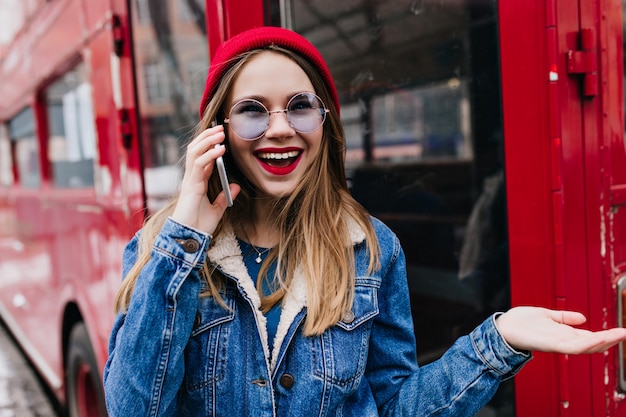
541,329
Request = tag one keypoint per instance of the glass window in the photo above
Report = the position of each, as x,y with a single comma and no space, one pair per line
142,14
419,85
184,12
173,66
156,83
196,78
6,158
72,134
25,148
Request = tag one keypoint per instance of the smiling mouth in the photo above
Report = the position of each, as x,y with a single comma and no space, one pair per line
278,159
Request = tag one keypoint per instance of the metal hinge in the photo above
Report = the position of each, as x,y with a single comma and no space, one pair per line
118,35
584,62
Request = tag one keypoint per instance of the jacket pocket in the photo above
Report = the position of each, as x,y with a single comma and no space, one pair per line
206,352
340,354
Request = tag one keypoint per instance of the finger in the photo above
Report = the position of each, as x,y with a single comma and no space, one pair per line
612,337
593,342
589,343
234,190
571,318
201,167
205,141
207,132
208,157
220,200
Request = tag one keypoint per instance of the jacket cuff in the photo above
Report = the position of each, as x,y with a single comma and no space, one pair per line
183,242
495,352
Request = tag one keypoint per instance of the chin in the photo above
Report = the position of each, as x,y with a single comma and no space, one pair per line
278,192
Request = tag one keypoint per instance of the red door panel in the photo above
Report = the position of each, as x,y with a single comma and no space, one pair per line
567,231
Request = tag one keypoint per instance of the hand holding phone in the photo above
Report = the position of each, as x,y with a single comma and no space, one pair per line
221,170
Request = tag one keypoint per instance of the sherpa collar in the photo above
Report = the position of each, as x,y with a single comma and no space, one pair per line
226,254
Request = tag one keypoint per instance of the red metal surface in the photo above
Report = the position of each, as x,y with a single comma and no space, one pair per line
613,161
225,19
525,75
215,24
593,284
559,237
241,15
603,121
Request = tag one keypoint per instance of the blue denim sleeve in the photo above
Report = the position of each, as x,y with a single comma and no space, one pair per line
145,367
461,382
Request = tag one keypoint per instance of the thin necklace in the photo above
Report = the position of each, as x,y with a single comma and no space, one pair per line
259,253
259,258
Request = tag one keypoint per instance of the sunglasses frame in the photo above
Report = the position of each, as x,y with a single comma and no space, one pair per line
286,111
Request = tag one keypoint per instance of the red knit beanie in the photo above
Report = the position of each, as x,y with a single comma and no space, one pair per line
258,38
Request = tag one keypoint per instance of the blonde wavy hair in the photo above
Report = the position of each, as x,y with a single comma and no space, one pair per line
313,221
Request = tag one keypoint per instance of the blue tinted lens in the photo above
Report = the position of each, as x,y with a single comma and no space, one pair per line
249,119
306,112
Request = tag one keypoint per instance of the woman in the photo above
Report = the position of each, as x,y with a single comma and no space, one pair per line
293,302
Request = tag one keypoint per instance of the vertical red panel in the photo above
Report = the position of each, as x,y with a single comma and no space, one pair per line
95,12
242,15
225,19
612,160
592,287
526,68
612,78
41,135
120,70
215,24
572,262
577,213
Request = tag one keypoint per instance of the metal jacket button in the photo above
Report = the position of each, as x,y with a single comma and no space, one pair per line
189,245
348,317
287,381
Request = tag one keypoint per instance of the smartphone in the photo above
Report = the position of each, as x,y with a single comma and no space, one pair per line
221,170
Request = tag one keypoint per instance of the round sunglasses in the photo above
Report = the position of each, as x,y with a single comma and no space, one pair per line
250,119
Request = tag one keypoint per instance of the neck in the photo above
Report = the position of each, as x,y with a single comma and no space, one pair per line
260,231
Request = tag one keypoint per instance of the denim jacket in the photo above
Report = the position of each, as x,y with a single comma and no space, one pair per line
175,353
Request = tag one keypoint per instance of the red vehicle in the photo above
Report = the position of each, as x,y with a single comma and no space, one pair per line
488,135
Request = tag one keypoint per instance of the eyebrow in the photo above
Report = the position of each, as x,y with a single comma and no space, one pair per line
264,99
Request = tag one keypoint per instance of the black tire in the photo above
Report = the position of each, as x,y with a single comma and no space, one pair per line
85,395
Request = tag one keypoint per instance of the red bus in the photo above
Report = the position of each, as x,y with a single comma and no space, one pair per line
489,135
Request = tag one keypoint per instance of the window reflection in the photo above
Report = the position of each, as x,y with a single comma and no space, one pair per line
155,82
6,158
171,63
142,13
72,135
424,122
25,148
415,52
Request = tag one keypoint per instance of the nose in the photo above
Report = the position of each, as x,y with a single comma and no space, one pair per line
279,126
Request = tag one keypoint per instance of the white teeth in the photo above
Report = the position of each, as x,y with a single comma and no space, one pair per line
276,155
